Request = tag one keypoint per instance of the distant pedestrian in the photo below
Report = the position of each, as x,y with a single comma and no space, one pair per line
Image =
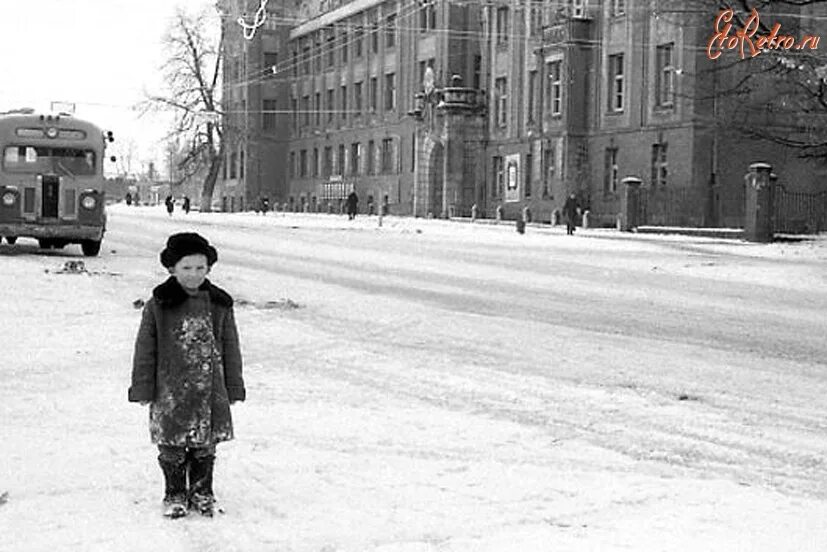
128,198
352,205
571,209
137,199
186,205
170,203
187,368
264,205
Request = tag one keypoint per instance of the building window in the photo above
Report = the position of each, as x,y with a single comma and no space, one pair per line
291,168
390,31
343,100
618,7
345,38
271,61
355,157
501,102
616,82
317,52
340,160
306,110
294,108
532,97
390,91
370,164
477,72
535,23
306,56
578,9
373,93
499,177
358,40
374,32
427,15
241,164
327,168
303,163
610,179
554,90
331,46
665,86
549,168
357,97
529,173
268,114
331,107
660,169
387,155
318,108
502,26
315,169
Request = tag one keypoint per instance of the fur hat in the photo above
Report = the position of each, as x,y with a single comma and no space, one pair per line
187,243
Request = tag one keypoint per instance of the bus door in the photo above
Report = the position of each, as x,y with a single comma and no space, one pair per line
50,195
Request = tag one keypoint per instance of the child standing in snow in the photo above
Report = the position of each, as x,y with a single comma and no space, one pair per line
187,367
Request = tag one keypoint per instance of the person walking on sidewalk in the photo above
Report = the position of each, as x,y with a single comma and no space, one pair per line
187,367
571,209
352,205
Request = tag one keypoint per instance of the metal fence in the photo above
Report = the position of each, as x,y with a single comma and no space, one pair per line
667,207
799,212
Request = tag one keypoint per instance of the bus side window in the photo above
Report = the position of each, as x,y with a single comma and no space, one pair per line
31,155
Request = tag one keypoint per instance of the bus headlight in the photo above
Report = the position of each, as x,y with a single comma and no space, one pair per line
9,199
89,202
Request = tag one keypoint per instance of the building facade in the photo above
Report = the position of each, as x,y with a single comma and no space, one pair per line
438,107
254,104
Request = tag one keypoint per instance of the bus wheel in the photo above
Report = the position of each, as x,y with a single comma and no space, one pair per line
11,240
45,243
90,248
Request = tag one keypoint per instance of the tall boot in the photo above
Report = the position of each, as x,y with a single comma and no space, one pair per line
175,488
201,496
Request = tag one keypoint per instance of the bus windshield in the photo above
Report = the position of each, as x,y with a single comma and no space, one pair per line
44,159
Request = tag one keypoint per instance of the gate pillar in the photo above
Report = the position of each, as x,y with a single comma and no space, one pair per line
758,209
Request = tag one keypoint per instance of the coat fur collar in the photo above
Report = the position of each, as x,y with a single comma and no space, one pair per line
171,294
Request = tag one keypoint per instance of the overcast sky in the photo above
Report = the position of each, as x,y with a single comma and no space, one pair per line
99,54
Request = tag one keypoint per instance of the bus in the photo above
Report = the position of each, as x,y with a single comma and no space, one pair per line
51,180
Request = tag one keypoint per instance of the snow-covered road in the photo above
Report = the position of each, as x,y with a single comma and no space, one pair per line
441,387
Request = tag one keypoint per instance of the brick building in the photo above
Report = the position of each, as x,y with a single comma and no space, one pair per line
525,101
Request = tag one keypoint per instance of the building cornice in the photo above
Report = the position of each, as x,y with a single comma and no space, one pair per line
333,16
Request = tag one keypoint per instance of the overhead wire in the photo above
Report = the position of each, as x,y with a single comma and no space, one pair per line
377,27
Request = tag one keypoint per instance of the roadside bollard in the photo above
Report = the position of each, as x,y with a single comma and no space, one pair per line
474,212
586,219
520,226
499,212
555,217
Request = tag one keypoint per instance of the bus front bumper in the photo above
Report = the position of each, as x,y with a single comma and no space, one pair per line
66,232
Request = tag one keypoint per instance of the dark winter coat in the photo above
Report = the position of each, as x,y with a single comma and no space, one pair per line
571,209
188,363
352,203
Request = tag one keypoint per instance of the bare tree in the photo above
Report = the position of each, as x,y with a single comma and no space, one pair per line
191,76
124,151
777,93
